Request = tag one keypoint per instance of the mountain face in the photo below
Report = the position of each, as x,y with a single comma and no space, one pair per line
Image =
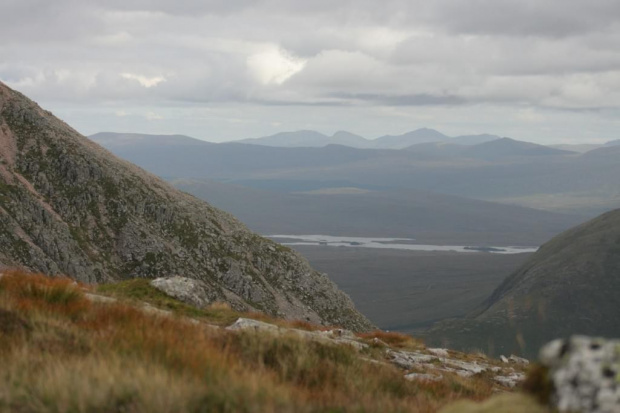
69,206
570,286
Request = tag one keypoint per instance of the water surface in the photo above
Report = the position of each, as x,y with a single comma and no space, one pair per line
392,243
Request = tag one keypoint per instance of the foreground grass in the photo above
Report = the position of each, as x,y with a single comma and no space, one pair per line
63,353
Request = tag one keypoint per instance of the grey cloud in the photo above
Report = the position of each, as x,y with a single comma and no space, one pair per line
402,100
396,54
556,18
41,21
179,7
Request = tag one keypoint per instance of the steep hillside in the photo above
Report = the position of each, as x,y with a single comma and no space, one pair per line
69,206
570,286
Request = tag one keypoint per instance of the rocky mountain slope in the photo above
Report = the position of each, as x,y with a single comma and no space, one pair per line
69,206
568,287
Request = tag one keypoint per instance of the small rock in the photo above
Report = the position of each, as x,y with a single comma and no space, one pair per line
423,377
440,352
187,290
245,324
342,333
518,360
379,342
406,360
511,380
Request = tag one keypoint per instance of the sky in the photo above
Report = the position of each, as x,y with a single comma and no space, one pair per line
546,71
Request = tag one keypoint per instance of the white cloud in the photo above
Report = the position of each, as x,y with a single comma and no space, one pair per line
529,115
153,116
274,66
145,81
116,39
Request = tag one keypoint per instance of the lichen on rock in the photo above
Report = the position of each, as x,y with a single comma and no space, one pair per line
585,374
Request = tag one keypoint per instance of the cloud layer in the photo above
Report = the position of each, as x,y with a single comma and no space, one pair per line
234,67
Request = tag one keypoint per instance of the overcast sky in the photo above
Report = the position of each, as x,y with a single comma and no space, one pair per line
541,70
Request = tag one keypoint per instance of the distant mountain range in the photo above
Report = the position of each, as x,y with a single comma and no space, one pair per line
313,139
502,170
182,156
493,150
585,147
568,287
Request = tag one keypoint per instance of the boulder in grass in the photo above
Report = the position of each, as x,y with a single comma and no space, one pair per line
193,292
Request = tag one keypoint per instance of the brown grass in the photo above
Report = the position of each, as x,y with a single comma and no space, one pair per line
393,339
66,354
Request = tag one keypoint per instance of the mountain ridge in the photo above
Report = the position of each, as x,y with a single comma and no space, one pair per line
311,139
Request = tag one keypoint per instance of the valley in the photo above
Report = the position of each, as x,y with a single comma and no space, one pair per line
408,291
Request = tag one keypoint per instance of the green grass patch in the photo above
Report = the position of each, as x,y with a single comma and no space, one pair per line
140,289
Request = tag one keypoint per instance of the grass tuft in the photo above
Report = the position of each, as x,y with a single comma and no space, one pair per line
394,339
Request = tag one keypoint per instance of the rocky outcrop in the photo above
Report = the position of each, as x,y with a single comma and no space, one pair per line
337,336
585,374
426,365
67,206
193,292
